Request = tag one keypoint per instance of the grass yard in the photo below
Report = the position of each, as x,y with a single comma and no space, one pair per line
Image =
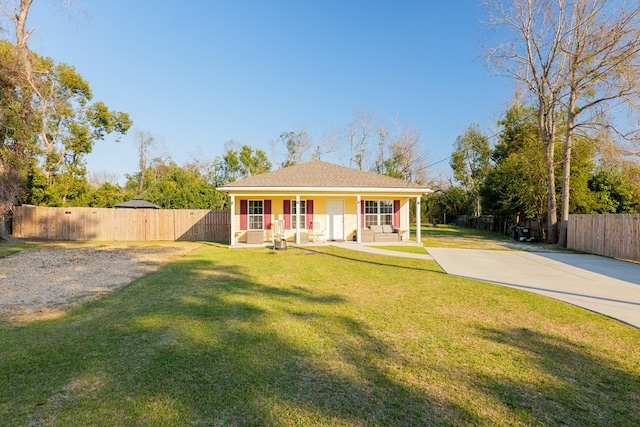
451,236
318,336
7,248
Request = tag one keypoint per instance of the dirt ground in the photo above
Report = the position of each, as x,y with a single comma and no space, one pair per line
45,281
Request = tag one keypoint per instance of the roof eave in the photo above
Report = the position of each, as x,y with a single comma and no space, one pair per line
395,190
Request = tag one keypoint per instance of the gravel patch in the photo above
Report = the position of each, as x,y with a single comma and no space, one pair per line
45,281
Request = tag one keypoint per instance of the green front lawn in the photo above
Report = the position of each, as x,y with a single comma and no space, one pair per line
8,248
451,236
318,336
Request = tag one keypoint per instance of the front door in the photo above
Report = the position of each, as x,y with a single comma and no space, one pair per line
335,219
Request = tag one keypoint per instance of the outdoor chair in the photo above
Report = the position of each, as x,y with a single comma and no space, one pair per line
318,233
277,234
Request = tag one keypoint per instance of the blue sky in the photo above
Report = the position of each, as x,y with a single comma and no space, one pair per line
197,74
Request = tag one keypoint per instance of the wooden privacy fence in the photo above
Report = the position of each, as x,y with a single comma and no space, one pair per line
34,222
612,235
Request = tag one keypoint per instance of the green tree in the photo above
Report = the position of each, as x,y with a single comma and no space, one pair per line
107,195
446,204
173,187
470,162
234,164
17,118
68,190
582,167
253,161
214,173
49,123
516,187
511,190
39,191
613,192
237,164
18,148
69,125
631,174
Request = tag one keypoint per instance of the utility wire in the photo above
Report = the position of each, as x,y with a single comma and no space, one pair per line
439,161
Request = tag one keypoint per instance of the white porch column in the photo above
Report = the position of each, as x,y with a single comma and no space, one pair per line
297,219
418,239
408,220
232,222
358,221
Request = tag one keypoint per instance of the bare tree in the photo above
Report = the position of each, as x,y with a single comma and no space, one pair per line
144,142
580,60
103,176
358,134
297,145
405,158
603,51
16,12
415,158
533,56
328,144
298,148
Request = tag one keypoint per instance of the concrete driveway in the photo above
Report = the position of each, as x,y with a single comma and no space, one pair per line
600,284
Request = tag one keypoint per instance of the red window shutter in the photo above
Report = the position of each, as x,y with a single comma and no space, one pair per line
267,214
362,214
396,213
244,208
309,214
286,208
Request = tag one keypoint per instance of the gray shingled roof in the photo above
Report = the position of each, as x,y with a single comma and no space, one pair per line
319,174
137,204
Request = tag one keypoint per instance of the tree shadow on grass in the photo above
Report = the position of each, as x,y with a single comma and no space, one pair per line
199,342
570,383
375,259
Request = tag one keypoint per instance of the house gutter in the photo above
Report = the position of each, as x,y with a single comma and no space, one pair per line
323,190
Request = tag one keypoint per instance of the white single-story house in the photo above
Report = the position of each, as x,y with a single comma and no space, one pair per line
317,198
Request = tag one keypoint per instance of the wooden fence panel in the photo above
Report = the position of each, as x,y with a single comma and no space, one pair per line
611,235
155,225
34,222
188,225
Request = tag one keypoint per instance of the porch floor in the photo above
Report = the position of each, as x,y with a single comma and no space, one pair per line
369,247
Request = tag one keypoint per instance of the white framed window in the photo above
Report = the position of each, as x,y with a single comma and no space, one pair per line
370,213
386,212
378,212
303,214
255,213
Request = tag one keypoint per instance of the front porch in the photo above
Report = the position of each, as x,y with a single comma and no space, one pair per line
372,248
304,218
341,243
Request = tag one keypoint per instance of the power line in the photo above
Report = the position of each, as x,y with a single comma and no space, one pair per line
439,161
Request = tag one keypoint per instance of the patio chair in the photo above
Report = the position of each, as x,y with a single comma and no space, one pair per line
277,234
318,233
